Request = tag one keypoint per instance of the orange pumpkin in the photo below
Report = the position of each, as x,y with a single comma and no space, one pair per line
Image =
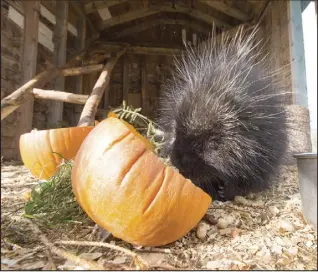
37,147
126,189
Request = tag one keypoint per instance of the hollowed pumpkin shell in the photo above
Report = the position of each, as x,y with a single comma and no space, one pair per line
126,189
37,147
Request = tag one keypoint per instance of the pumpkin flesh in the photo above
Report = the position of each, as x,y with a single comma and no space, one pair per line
37,148
125,188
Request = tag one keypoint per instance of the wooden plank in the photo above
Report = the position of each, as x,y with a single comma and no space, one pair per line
129,16
59,57
95,5
29,61
227,9
125,79
297,53
144,97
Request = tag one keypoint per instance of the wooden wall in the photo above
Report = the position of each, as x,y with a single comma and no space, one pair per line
11,58
135,78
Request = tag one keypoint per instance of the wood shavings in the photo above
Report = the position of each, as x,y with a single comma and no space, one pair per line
283,241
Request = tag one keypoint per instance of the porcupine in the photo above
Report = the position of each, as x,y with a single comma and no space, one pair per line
223,119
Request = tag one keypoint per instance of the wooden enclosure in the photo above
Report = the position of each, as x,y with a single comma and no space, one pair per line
40,36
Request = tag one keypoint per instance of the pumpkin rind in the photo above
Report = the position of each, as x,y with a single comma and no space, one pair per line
125,188
37,147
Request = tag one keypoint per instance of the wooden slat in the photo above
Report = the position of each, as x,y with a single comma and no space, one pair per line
55,116
227,9
29,61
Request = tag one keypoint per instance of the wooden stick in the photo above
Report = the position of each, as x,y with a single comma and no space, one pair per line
82,70
90,108
60,96
14,100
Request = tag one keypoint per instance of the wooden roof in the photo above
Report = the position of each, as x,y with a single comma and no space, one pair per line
114,19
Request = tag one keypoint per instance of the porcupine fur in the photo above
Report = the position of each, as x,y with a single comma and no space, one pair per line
223,118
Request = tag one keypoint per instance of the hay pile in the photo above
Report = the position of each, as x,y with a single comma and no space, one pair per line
263,231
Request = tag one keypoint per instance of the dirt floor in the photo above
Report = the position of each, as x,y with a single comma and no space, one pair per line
265,231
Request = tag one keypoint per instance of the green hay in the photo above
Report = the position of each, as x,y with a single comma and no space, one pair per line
52,203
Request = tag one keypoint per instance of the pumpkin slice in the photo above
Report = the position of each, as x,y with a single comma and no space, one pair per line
37,147
126,189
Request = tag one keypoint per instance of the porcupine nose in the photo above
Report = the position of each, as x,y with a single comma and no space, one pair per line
181,160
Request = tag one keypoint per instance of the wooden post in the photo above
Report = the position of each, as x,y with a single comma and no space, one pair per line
90,108
297,53
30,49
80,42
144,96
125,80
59,57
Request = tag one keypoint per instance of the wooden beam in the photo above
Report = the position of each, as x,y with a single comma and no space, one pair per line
80,11
227,9
59,57
150,24
129,16
143,50
75,71
88,114
29,61
60,96
125,79
95,5
144,12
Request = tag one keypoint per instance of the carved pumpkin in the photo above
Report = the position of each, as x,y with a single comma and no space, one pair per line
37,147
126,189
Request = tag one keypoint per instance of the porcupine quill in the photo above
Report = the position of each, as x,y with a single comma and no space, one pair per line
223,118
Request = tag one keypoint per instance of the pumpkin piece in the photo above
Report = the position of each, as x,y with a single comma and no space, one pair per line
126,189
37,147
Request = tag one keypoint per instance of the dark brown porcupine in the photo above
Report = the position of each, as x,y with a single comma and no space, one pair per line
223,117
